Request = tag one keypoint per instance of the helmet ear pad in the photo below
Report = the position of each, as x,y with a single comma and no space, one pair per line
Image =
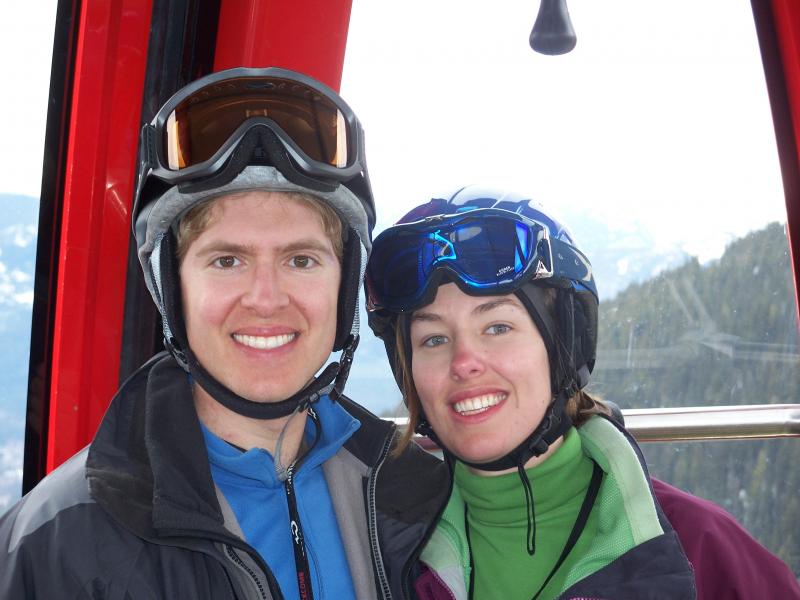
534,299
353,263
585,346
172,300
570,334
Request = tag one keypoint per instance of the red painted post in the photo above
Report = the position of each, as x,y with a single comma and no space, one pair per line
303,35
104,121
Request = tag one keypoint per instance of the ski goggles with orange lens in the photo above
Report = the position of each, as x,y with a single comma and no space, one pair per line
488,251
200,127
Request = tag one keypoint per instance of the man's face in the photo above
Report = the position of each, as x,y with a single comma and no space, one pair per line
260,287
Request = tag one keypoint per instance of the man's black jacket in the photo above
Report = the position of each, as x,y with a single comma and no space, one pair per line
136,515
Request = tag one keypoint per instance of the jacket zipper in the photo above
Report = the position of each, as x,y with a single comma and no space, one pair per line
240,563
373,521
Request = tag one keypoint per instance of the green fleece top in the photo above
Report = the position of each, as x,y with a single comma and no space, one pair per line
624,516
497,519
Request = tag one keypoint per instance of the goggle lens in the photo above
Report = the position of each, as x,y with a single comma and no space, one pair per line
485,253
202,123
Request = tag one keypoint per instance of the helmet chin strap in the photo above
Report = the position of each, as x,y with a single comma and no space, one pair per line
330,382
555,424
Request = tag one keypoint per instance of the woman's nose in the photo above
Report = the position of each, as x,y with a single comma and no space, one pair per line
467,361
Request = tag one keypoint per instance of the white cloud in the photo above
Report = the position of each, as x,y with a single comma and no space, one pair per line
16,287
25,298
18,276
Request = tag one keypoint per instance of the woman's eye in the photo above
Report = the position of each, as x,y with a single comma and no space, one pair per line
226,262
434,340
302,262
498,329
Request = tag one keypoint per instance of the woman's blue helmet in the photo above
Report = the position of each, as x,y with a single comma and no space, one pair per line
488,242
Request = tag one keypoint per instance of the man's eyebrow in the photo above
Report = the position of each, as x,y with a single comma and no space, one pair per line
228,247
310,244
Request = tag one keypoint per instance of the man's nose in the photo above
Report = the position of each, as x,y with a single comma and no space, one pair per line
266,292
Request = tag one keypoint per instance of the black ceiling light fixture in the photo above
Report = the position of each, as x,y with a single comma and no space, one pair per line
552,33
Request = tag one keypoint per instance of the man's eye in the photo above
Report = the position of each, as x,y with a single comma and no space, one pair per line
226,262
302,262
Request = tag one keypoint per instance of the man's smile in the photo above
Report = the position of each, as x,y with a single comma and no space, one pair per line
264,342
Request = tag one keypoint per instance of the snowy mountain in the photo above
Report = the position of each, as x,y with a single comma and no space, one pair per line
621,256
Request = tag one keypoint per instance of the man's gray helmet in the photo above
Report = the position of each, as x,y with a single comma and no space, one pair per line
259,155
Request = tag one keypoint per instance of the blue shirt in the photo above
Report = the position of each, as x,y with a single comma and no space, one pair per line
258,499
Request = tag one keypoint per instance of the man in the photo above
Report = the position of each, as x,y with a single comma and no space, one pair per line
227,467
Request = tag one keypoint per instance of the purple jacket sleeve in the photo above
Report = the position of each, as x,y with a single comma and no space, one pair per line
728,562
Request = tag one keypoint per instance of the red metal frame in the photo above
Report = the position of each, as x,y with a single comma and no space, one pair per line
98,191
111,57
786,15
304,35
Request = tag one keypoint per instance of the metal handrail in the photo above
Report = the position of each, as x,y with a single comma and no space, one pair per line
693,423
713,422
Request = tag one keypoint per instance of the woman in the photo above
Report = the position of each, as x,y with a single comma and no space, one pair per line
488,311
491,315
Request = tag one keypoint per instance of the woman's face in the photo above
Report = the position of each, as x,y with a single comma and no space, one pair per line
481,371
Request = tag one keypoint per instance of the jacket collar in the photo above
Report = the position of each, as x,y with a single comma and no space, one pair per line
148,465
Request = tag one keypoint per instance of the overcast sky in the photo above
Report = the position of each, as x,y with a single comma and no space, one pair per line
26,46
657,120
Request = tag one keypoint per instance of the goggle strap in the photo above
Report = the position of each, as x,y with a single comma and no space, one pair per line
149,145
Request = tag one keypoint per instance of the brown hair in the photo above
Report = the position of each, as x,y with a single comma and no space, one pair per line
198,218
579,407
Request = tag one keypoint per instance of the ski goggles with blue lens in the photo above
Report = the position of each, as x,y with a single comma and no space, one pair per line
487,251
